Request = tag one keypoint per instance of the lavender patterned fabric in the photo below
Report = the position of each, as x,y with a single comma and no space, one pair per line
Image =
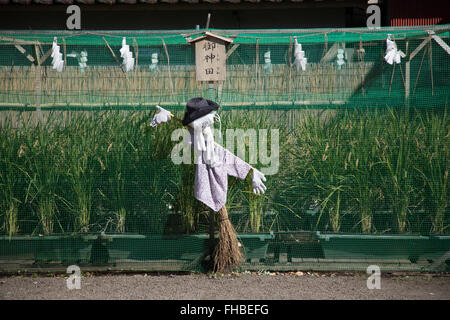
211,182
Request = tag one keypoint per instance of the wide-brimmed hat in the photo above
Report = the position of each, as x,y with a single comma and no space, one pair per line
197,108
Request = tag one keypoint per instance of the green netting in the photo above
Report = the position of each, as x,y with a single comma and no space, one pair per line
363,150
330,36
364,79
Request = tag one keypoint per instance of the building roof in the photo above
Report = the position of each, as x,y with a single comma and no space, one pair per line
210,34
91,2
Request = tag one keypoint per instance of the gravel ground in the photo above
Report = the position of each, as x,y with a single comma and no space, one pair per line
249,286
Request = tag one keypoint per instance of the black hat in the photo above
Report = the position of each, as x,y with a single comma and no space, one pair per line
197,108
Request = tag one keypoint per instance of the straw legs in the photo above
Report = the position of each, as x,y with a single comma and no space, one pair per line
227,253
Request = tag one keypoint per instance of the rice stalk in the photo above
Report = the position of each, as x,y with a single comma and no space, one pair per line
120,220
433,143
10,191
11,223
47,216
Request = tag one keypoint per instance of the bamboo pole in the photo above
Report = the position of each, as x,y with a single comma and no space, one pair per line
168,65
64,50
407,80
38,92
47,54
136,53
256,68
408,66
113,54
23,51
430,55
392,78
229,52
419,47
361,61
118,62
407,76
290,66
418,72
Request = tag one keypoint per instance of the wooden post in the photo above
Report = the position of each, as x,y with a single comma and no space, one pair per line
291,43
211,90
168,65
37,88
136,54
229,52
219,90
407,81
430,56
113,54
64,50
208,20
408,66
407,76
361,52
256,68
210,66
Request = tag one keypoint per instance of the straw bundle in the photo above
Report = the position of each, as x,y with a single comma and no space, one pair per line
227,254
104,85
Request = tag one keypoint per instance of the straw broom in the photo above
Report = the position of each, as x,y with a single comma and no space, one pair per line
227,253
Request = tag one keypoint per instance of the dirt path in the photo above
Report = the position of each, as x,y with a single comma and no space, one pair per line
257,286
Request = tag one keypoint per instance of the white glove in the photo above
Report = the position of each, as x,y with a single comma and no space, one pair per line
161,117
257,182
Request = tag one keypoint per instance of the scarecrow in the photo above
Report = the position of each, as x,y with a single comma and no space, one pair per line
213,166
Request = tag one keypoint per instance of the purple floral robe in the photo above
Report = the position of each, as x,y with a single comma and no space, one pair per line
211,182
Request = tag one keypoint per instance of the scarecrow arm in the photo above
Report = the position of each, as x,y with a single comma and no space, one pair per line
238,168
162,116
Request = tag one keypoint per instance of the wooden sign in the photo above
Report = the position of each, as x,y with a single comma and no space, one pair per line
210,57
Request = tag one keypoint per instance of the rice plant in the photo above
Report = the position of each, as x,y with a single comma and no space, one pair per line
398,157
362,164
92,171
10,193
45,171
367,160
433,142
9,199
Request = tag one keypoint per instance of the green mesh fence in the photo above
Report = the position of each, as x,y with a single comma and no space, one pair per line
358,152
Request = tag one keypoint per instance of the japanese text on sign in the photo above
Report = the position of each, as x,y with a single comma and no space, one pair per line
210,60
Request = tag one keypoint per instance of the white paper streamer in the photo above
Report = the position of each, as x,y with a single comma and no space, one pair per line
392,53
154,66
300,59
127,55
267,62
340,58
57,61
